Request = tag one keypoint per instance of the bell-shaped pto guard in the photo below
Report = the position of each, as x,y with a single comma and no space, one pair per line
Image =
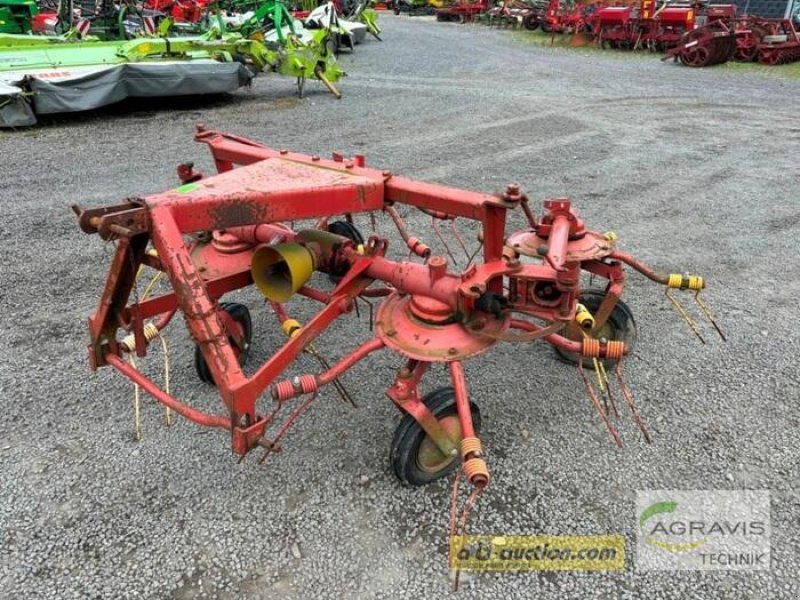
281,269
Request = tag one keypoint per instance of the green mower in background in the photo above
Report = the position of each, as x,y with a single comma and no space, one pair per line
47,75
16,16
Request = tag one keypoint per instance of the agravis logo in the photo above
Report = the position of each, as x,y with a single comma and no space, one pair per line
659,527
703,529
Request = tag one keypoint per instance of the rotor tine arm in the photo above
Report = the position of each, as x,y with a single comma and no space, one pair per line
473,462
675,281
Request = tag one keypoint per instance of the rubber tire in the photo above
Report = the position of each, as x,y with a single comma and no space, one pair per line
409,435
621,318
240,314
530,22
349,231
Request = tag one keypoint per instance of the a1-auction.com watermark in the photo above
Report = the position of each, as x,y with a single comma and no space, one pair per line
537,553
703,530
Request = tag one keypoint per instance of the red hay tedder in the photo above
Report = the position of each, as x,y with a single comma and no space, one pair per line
213,235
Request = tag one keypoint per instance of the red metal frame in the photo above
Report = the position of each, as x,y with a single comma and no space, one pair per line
205,232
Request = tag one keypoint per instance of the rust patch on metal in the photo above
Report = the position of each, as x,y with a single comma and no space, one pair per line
232,213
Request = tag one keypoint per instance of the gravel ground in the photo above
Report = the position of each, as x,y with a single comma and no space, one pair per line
695,169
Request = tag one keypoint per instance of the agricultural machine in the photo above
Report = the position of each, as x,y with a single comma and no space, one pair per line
568,16
46,75
182,12
769,41
778,41
103,19
414,7
696,33
462,11
16,16
343,32
646,24
553,16
360,12
273,218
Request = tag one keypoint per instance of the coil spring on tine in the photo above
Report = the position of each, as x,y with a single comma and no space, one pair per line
476,470
151,332
676,281
591,347
289,388
471,445
615,350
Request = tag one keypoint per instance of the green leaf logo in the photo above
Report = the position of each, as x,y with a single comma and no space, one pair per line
660,508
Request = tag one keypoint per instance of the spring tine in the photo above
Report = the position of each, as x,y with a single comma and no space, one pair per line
459,239
165,352
343,393
371,309
137,406
137,415
441,239
607,388
454,522
466,511
373,223
626,393
598,407
275,443
707,312
600,383
682,312
265,454
338,385
465,514
474,254
371,314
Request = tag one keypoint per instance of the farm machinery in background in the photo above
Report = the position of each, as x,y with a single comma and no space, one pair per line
513,13
273,21
106,20
47,75
16,16
696,33
76,71
768,41
553,16
108,51
287,224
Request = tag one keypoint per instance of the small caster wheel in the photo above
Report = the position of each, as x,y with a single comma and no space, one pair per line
416,460
349,231
620,327
239,339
